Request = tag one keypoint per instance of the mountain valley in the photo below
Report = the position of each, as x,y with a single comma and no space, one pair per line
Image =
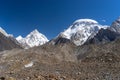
84,51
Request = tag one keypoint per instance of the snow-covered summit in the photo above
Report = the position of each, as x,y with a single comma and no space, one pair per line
35,38
81,30
86,21
19,37
34,32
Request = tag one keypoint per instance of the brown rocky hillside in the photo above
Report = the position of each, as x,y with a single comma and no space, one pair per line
62,62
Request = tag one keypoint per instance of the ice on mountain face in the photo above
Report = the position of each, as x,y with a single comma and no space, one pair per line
81,29
33,39
19,38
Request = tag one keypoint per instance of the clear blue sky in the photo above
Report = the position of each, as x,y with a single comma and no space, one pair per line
50,17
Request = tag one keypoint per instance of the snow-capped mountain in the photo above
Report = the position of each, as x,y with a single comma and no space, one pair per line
5,33
81,30
35,38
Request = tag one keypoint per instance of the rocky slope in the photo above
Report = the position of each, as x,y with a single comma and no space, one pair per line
103,36
5,33
64,62
106,35
115,26
7,42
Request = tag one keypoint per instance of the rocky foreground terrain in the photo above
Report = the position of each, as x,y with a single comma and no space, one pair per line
62,62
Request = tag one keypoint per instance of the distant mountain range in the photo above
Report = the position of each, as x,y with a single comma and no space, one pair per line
88,31
84,51
82,31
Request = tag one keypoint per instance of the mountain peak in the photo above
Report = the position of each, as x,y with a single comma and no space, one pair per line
35,31
81,29
118,20
34,38
86,21
19,37
3,31
116,26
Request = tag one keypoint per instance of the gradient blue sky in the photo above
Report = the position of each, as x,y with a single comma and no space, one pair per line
50,17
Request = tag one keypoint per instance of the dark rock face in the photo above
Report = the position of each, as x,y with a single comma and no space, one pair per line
60,40
7,43
103,36
106,35
116,26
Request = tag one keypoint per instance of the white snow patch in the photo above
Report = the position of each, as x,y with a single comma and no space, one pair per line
29,64
19,38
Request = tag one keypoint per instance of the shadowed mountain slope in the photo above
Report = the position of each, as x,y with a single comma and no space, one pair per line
8,43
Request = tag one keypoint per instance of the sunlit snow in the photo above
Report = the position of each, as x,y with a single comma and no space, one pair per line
29,64
81,30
